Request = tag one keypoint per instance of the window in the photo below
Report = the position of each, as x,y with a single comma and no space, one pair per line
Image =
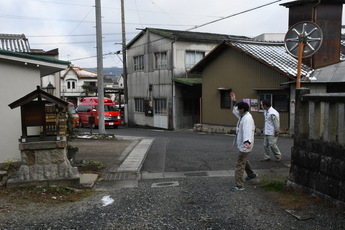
139,63
84,108
70,84
225,100
161,60
139,105
160,106
108,108
279,101
192,57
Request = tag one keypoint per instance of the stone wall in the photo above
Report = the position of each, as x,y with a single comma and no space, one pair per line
320,167
318,154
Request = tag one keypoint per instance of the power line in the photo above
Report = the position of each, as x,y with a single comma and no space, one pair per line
164,12
136,5
61,3
78,21
72,35
220,19
77,26
61,43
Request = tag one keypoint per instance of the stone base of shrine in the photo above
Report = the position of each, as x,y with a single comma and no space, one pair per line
44,163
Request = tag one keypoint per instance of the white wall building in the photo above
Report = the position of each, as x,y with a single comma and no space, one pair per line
72,81
20,74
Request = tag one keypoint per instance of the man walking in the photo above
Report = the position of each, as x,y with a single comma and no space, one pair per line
271,132
244,141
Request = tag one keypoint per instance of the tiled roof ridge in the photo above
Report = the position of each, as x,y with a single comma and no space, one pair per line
173,33
257,42
184,31
2,35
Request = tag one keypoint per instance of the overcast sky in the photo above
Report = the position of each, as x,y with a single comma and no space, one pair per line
69,25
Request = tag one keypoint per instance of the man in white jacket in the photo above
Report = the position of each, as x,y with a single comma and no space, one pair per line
244,141
271,131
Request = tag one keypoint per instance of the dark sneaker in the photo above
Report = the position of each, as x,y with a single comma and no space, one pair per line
279,159
237,188
251,176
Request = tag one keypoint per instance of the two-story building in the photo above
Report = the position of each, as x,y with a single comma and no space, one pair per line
161,91
77,82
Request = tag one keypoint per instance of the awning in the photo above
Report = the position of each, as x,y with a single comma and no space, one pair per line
188,81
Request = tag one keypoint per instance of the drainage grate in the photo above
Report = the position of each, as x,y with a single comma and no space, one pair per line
196,174
165,184
120,176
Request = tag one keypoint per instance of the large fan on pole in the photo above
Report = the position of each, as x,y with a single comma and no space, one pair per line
301,41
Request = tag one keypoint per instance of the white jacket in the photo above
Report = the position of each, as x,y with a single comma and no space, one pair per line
271,117
244,131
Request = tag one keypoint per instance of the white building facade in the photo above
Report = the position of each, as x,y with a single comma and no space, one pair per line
73,82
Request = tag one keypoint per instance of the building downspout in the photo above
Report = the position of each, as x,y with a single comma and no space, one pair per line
200,116
313,18
172,118
314,7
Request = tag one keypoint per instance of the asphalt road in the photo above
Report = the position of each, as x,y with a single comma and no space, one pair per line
186,150
196,202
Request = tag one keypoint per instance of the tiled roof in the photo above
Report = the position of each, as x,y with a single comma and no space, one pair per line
272,54
80,72
14,43
84,73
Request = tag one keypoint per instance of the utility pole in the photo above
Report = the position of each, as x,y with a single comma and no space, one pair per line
101,125
124,62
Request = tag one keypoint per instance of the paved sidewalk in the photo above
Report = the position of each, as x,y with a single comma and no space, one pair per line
122,157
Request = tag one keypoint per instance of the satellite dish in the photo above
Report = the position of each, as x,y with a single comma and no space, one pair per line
307,33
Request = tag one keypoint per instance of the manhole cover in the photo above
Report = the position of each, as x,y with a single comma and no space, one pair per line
196,174
165,184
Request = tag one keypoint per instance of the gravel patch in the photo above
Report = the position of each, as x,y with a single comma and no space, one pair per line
195,203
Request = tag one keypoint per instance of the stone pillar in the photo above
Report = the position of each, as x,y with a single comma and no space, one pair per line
301,127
